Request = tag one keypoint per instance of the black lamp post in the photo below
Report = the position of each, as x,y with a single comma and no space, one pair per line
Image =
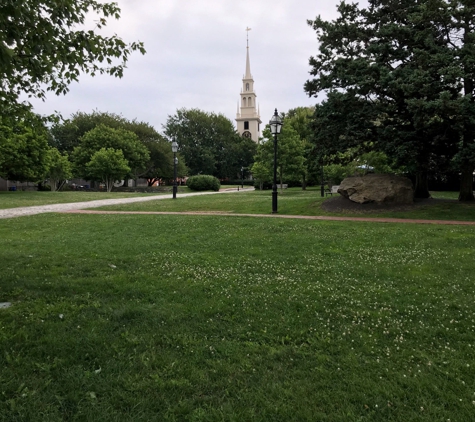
275,127
175,162
242,177
322,186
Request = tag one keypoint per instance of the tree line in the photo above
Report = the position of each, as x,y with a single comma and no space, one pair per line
104,147
398,78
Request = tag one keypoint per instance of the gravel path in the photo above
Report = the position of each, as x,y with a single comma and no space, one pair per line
78,207
40,209
301,217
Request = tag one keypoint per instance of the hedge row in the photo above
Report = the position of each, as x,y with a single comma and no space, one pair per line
203,182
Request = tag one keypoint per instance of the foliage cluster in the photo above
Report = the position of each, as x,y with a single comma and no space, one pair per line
149,153
399,74
23,148
44,45
121,140
209,143
356,162
107,165
203,182
293,150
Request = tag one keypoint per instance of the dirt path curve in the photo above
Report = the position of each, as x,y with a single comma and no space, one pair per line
300,217
40,209
79,208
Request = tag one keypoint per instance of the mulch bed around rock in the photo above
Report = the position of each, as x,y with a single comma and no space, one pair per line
339,203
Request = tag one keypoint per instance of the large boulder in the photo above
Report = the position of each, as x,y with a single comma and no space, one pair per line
378,188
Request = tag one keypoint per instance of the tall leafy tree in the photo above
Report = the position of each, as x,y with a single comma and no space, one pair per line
107,165
301,118
393,60
209,143
290,154
68,134
59,169
102,136
160,165
23,148
261,172
44,46
456,20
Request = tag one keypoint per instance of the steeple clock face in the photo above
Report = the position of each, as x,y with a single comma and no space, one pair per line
247,134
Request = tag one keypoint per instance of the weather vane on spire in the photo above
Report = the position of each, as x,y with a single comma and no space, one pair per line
247,31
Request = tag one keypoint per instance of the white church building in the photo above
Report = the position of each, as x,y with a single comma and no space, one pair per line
248,119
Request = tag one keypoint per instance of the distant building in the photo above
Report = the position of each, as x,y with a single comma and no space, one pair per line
248,119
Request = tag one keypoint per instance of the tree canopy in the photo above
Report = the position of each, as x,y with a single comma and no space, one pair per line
59,169
23,149
209,143
44,46
160,164
134,152
107,165
398,74
290,155
68,134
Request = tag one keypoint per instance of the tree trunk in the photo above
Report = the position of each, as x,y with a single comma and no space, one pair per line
54,185
466,179
466,184
304,183
421,189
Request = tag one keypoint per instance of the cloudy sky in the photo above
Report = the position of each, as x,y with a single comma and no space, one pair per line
196,52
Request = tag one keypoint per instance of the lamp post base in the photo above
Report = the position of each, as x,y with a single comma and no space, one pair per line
274,200
174,191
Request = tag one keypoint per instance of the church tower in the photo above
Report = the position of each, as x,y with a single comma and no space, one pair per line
247,118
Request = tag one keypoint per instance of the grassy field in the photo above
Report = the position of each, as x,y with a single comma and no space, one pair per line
298,202
291,201
205,318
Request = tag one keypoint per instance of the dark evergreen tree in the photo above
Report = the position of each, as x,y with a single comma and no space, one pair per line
392,68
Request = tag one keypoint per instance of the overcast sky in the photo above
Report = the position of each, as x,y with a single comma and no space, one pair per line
196,52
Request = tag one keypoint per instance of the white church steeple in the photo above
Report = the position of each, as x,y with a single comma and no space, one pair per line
247,118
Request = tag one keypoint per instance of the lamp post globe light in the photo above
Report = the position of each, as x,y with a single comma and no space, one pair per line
175,162
275,127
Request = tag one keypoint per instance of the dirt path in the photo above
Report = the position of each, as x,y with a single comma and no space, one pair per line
300,217
79,208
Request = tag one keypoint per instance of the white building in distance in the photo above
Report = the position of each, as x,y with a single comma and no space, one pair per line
248,119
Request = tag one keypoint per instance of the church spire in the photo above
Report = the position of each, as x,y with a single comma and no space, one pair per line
248,118
248,63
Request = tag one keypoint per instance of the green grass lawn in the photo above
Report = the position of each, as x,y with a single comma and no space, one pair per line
292,201
205,318
32,198
298,202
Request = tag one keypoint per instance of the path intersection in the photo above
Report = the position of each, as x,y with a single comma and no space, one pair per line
80,208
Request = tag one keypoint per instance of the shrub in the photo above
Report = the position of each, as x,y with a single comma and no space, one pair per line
203,182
